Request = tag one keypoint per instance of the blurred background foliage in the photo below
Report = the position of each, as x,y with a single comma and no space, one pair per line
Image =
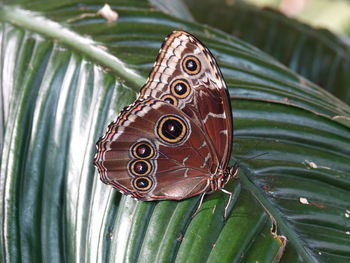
330,14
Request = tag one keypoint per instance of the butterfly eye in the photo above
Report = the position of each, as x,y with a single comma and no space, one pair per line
191,65
170,99
142,183
140,167
180,88
142,150
172,129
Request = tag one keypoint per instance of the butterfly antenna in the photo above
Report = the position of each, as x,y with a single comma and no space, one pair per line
256,156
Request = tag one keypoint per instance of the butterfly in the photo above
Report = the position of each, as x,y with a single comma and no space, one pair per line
175,140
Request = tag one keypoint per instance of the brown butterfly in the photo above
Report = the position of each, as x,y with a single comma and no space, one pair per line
174,141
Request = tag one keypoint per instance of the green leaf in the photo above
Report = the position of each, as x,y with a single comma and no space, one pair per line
66,73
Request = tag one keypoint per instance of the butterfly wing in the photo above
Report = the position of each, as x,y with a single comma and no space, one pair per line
186,75
154,151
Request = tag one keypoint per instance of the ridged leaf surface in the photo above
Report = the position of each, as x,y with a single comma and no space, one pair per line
66,73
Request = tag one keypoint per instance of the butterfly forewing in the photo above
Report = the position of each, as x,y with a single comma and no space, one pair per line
186,75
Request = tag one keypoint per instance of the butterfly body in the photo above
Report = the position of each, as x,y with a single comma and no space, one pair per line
175,140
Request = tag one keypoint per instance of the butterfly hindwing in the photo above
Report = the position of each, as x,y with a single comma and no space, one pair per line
151,153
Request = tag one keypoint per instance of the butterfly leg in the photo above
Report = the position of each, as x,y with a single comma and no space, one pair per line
199,205
228,203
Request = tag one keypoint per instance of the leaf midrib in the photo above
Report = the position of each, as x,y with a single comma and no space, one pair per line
89,48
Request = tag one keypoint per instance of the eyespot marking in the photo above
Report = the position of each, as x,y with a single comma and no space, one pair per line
180,88
170,99
140,167
143,150
172,129
191,65
142,184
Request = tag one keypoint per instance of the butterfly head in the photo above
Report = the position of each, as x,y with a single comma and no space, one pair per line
225,176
